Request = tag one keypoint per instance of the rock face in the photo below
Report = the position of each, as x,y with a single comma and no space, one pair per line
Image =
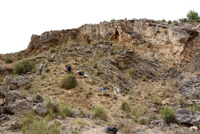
189,85
154,41
188,117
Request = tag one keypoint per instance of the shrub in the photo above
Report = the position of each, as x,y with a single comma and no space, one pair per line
127,127
68,81
192,16
183,20
169,22
167,115
138,110
195,107
126,106
52,50
101,113
41,127
68,111
9,60
24,66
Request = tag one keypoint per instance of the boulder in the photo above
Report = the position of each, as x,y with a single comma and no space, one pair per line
18,107
24,82
188,117
40,109
189,85
39,98
13,95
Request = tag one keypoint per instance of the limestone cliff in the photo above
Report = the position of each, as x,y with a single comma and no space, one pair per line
172,45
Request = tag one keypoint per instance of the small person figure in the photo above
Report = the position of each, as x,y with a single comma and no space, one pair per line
80,74
40,69
69,69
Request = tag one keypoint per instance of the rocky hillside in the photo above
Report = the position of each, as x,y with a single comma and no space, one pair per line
150,71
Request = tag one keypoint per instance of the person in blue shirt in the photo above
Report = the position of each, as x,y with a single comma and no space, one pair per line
69,68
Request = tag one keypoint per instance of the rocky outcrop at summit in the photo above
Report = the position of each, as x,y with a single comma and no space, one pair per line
154,41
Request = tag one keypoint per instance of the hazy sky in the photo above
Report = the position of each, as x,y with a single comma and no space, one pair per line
22,18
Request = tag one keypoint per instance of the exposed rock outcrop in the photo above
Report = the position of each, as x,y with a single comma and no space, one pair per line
188,117
155,41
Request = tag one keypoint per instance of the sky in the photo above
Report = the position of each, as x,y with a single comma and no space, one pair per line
19,19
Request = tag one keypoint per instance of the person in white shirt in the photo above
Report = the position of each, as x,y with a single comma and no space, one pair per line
40,69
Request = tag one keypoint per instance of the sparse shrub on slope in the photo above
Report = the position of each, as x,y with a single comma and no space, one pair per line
68,82
126,106
193,16
100,112
9,60
167,115
24,66
33,124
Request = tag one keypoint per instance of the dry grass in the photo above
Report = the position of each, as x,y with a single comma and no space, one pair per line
156,100
126,106
80,122
127,127
101,113
138,110
68,81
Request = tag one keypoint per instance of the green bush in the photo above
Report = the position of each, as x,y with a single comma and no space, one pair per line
100,112
193,16
24,66
126,106
68,81
167,115
9,60
183,20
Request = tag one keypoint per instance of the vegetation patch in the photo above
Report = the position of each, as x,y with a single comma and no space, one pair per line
79,122
126,106
24,67
138,110
9,60
101,112
33,124
167,115
68,81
